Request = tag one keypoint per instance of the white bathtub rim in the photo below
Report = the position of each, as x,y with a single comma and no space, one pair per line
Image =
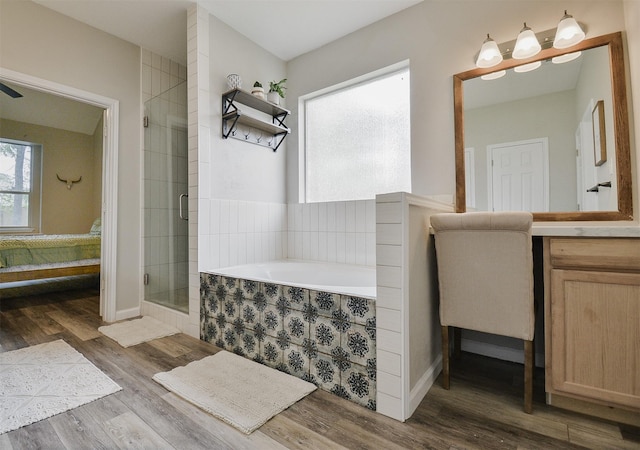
368,291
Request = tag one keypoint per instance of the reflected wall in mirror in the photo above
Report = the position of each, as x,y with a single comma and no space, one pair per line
528,141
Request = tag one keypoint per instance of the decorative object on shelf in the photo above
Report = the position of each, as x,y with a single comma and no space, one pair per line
528,44
276,90
599,135
234,81
258,90
69,183
249,127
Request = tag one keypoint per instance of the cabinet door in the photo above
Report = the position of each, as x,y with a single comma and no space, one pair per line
596,335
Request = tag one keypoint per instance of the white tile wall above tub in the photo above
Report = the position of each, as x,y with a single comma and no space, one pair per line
341,232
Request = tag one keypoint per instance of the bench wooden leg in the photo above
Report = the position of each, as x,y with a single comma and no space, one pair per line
528,376
445,357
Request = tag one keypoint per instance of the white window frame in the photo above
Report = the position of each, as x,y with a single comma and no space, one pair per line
302,122
35,192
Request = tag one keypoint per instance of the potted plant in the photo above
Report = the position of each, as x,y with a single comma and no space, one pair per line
258,90
276,90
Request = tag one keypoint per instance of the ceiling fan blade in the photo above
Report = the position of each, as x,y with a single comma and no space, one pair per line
10,92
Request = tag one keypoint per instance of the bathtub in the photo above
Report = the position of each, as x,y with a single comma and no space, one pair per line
345,279
315,321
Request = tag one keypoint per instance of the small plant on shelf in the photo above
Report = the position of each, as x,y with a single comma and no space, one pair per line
276,90
258,90
278,87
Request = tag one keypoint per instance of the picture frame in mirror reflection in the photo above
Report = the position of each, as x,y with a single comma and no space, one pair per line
599,134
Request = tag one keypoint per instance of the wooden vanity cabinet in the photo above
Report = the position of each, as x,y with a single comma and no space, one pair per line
592,321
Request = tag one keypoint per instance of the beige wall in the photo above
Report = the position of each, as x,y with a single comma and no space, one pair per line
98,151
70,155
62,50
439,41
632,21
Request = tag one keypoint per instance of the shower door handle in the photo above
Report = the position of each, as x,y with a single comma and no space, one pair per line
182,216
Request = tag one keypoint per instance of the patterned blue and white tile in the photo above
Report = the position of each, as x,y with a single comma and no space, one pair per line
325,336
271,352
359,309
297,297
358,343
296,361
297,328
271,292
360,387
324,372
326,302
250,315
249,287
249,344
271,320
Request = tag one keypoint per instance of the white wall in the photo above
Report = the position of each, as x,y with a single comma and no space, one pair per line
241,170
62,50
439,41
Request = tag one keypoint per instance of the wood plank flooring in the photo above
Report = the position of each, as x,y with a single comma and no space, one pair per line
483,409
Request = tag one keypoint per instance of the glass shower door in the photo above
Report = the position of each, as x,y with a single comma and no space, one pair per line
166,274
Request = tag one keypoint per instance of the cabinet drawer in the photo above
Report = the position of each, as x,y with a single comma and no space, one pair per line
620,254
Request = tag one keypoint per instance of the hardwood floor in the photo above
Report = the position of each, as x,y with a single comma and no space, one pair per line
483,409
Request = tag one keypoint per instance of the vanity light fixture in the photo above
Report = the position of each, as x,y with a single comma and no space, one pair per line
489,55
494,75
527,67
527,44
568,32
565,58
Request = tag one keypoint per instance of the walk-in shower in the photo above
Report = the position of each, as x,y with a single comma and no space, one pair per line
165,200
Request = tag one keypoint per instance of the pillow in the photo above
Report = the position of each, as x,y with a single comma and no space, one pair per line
96,228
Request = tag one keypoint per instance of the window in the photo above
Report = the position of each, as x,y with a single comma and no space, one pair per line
19,186
357,139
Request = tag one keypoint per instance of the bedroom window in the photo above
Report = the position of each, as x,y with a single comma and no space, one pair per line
19,186
357,139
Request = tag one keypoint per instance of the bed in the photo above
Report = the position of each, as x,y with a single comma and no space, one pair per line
32,257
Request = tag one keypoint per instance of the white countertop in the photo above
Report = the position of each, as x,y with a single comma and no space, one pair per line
587,229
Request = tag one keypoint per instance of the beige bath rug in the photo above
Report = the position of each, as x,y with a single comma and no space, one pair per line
241,392
44,380
133,332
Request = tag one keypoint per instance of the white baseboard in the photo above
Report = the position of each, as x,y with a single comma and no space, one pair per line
127,313
423,385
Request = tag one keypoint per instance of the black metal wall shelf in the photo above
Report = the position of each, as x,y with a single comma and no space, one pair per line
245,126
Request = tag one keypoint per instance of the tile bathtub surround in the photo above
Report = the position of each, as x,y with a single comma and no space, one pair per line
327,339
341,232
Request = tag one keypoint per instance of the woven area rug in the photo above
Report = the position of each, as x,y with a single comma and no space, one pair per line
133,332
241,392
44,380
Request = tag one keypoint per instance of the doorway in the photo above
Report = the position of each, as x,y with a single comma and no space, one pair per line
519,178
109,215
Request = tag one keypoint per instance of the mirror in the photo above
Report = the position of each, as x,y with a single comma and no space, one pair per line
583,168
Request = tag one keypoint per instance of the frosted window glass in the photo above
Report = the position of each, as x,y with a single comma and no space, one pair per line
357,141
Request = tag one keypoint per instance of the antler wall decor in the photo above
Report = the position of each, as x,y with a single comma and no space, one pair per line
69,183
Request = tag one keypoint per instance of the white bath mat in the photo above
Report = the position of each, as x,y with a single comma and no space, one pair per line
44,380
133,332
241,392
